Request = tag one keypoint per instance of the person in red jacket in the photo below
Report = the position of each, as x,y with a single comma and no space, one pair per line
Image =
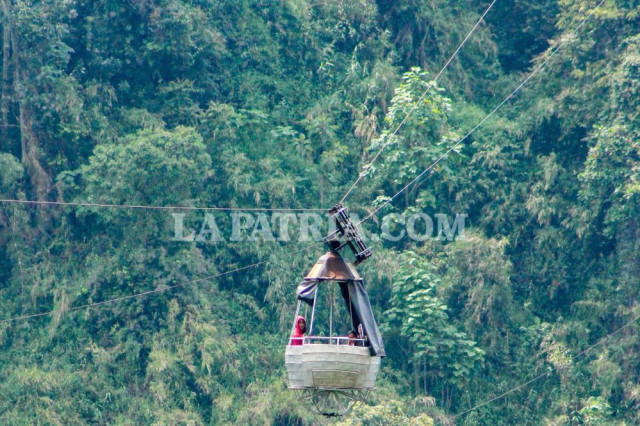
298,332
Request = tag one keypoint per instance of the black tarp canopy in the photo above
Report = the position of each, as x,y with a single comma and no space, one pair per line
332,267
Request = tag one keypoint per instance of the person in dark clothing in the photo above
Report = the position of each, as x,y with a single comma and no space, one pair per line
352,336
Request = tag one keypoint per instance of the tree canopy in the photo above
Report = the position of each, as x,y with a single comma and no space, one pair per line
282,105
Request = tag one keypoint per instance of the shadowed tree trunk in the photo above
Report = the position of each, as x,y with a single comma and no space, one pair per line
30,152
6,80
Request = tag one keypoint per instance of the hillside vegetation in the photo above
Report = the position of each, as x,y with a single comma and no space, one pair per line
280,104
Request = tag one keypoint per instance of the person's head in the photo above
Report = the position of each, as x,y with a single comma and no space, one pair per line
352,334
302,324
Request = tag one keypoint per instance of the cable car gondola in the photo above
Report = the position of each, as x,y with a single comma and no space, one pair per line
332,372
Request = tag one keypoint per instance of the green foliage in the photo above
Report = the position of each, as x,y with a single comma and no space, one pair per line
437,349
425,134
12,173
479,284
388,412
165,167
611,176
281,104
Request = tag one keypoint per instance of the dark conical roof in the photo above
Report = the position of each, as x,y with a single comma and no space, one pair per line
331,266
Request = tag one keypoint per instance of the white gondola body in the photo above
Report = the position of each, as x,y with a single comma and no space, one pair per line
331,366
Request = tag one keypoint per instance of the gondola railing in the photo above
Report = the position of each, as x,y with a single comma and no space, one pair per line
310,340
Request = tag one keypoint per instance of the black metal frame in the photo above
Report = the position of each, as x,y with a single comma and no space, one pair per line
347,231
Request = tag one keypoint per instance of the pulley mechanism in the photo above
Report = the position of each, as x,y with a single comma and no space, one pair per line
346,234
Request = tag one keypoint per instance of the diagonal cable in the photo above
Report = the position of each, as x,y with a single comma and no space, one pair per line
551,370
432,84
148,292
493,111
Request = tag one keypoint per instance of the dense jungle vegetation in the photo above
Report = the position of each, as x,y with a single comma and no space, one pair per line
258,103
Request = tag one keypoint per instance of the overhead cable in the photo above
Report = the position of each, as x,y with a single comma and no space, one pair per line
145,207
493,111
431,84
